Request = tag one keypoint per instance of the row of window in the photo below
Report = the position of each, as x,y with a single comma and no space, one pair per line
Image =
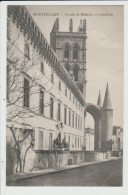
75,70
26,84
76,120
77,143
73,119
75,52
60,88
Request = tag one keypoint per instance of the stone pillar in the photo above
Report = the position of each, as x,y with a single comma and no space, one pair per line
107,122
97,134
107,127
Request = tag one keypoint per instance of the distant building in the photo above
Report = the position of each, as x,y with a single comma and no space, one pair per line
117,138
89,137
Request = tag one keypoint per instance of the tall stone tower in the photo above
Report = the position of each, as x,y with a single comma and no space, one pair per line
107,122
70,47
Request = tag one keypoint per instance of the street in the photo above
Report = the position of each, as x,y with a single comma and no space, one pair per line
102,174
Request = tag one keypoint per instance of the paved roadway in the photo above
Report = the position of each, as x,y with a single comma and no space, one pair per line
102,174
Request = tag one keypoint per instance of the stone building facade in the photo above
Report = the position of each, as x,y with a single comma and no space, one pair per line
43,101
46,95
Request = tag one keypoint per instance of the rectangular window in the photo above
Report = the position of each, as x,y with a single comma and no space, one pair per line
65,115
41,102
52,77
66,91
76,121
50,141
81,123
69,117
26,93
73,99
60,85
27,50
42,67
59,111
70,95
75,142
40,142
72,119
69,141
78,142
51,107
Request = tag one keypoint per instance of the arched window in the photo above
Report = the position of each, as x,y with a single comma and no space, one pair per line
66,51
67,67
75,52
75,72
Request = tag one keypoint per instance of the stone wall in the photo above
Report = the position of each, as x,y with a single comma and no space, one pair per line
50,159
22,156
95,156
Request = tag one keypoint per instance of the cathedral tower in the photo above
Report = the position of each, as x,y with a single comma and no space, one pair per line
107,122
70,47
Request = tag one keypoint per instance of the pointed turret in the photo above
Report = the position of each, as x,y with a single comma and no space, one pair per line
107,101
99,100
80,29
56,25
84,25
70,25
107,122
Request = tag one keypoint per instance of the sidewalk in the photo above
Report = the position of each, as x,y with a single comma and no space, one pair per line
27,175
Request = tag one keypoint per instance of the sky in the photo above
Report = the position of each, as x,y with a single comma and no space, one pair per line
104,48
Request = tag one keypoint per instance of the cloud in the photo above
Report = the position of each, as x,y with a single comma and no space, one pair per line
102,40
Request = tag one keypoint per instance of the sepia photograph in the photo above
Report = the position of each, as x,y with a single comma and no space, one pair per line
64,95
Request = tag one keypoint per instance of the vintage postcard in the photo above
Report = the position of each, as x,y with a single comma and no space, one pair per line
64,95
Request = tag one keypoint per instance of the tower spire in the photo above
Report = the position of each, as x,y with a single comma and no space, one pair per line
56,25
84,25
70,25
80,27
99,99
107,101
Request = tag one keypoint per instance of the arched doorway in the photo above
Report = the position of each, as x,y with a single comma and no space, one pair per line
89,132
95,111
